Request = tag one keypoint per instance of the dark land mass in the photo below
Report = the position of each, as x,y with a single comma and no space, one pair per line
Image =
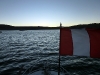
9,27
92,25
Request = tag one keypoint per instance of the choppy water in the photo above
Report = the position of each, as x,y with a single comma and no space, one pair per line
23,52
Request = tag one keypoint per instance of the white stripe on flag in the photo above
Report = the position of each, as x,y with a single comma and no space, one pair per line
81,43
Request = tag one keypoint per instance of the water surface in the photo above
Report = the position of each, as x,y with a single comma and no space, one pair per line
23,52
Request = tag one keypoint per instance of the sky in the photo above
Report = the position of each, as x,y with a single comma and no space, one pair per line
49,12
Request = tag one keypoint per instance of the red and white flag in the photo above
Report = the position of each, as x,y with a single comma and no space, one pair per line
80,42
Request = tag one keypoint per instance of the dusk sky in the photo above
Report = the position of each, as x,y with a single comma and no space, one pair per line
49,12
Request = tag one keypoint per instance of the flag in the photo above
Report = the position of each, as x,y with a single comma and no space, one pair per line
80,42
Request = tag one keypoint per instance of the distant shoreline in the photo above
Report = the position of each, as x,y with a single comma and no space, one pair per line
9,27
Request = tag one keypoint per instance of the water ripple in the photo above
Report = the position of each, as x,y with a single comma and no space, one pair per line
35,49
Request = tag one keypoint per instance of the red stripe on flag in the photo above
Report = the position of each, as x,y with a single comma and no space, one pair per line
94,35
66,45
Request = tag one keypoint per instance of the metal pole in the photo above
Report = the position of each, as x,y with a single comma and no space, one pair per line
59,49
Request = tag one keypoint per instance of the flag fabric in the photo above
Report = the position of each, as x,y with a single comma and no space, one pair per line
80,42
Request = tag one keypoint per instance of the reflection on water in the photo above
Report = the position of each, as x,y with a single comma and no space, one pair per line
36,51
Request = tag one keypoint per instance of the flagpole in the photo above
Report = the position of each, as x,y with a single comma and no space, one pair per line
59,50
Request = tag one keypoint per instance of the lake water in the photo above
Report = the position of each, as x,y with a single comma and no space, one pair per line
23,52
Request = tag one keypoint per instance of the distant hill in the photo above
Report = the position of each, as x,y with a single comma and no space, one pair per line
92,25
9,27
5,27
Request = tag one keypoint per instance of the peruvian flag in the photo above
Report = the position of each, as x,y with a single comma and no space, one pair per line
80,42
